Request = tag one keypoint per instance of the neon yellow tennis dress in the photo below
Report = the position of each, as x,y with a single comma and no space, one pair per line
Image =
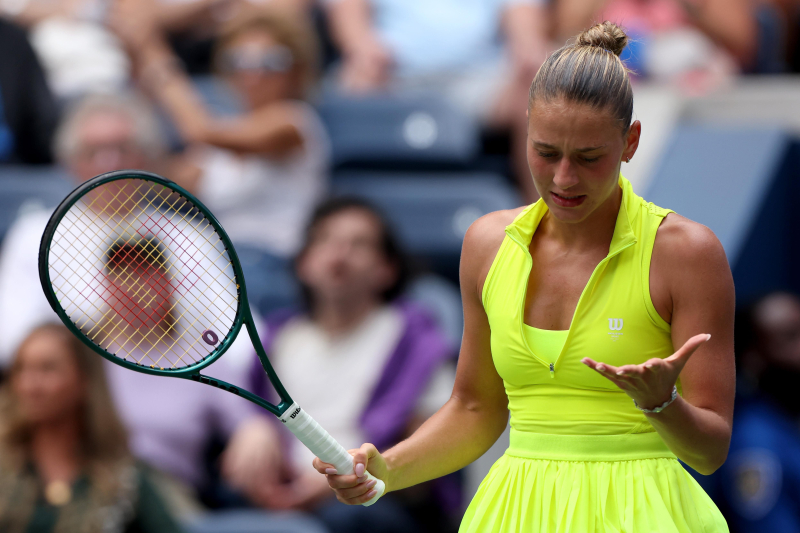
582,458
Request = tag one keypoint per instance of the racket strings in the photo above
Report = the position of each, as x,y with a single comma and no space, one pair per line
141,271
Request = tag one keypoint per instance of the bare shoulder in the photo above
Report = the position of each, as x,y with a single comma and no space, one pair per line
680,240
484,236
481,243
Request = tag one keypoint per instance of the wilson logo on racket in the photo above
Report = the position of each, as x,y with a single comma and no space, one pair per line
294,414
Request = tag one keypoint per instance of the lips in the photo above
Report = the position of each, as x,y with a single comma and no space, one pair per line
568,201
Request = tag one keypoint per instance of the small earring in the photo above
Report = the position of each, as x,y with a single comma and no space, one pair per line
627,159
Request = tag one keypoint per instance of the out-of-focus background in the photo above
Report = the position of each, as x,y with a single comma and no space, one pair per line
346,146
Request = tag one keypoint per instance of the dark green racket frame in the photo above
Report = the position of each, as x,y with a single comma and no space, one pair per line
243,314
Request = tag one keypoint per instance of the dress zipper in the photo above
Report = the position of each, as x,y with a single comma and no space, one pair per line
552,370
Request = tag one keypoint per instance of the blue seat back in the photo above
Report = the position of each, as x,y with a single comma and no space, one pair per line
398,131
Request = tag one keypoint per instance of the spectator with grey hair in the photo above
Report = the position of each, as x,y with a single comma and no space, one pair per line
168,428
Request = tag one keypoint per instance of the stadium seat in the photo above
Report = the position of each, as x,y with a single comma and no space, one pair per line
742,183
25,187
431,212
398,131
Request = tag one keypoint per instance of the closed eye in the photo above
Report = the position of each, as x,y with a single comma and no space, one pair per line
547,155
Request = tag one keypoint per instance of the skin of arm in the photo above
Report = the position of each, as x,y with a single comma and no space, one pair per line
477,411
367,61
730,23
270,130
524,26
692,289
573,16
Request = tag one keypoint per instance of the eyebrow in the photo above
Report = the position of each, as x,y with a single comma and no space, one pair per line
581,150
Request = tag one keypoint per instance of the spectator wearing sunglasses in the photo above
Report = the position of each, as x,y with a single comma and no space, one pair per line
262,171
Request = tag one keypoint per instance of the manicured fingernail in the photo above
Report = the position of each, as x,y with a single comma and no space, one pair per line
648,366
362,479
372,483
360,469
372,493
620,373
708,337
601,368
331,471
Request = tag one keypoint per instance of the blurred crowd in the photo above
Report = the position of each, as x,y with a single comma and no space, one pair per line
92,86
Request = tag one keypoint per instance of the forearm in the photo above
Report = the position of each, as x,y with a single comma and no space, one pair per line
182,16
699,437
162,77
351,25
524,25
573,16
730,23
454,437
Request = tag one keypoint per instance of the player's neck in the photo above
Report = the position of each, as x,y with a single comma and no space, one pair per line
338,317
596,229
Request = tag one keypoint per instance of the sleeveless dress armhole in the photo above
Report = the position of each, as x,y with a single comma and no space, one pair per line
489,281
649,240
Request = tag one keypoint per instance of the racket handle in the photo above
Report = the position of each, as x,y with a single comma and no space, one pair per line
319,441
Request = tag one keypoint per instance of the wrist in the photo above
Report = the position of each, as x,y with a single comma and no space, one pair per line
656,408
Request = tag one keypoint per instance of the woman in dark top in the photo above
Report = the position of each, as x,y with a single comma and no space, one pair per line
64,460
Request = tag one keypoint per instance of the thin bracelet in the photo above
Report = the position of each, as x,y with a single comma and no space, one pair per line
662,406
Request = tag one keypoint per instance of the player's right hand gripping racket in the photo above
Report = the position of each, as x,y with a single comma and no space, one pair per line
143,273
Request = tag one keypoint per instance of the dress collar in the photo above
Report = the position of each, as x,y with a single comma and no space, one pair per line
524,226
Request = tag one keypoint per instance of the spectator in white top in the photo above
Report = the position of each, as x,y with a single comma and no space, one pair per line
262,171
101,134
450,47
355,329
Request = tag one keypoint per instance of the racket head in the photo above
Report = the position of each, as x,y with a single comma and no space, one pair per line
143,273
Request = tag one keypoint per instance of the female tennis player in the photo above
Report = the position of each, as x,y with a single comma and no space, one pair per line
573,308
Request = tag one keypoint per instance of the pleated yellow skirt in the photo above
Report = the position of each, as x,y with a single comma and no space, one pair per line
590,484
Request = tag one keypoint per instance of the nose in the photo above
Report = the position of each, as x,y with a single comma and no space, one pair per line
566,175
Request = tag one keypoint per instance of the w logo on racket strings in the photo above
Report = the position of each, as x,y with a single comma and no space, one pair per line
615,328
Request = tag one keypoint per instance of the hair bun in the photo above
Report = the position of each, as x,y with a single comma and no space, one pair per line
606,35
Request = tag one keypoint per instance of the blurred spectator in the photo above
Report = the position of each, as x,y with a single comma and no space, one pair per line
99,134
64,461
171,422
353,330
760,481
262,171
194,25
694,43
28,113
78,53
449,47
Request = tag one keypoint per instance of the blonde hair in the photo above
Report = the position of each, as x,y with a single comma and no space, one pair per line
289,28
104,446
589,71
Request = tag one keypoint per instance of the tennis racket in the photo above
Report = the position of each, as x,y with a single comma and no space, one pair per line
141,271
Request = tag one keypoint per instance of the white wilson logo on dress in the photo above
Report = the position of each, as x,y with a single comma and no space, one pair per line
615,325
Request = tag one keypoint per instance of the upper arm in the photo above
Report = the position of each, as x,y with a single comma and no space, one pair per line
690,261
477,383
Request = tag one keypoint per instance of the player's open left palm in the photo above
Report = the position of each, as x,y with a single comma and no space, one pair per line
650,383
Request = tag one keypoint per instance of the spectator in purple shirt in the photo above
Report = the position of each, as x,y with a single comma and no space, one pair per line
354,329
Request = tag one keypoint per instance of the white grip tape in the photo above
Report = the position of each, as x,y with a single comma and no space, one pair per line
323,445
